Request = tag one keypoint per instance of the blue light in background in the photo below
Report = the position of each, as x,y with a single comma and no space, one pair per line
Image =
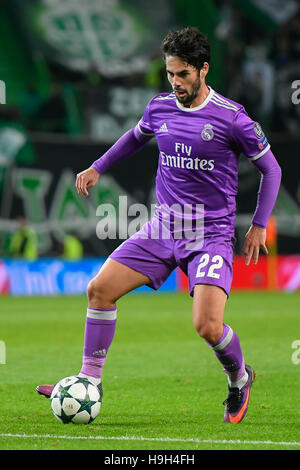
55,276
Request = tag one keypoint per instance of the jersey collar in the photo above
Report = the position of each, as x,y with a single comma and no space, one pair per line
202,105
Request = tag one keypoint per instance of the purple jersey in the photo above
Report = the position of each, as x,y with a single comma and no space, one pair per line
199,149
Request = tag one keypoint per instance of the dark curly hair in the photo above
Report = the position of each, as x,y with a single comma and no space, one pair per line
189,44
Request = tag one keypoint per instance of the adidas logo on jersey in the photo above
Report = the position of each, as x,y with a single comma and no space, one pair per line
163,128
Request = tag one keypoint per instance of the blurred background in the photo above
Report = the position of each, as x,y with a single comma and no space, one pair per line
76,75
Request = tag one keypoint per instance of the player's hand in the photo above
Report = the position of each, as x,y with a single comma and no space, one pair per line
255,240
85,180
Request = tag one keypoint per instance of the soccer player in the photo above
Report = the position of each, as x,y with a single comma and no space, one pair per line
200,135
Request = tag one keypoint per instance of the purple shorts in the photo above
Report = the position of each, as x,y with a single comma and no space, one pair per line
209,262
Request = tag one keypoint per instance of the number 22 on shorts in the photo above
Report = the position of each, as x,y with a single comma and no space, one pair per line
214,264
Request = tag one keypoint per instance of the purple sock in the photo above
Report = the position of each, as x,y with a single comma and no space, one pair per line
99,332
229,353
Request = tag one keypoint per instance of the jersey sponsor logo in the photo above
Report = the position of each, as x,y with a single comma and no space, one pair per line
207,132
186,163
163,128
258,130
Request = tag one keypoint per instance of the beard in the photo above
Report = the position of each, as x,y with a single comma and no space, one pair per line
188,98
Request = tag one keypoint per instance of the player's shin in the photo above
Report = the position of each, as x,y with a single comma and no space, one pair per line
99,332
228,351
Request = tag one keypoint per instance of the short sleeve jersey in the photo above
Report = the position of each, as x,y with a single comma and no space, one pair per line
199,149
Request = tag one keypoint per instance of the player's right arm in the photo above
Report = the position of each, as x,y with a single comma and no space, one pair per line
131,142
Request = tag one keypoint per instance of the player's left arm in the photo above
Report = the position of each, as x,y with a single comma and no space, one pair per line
250,139
255,241
267,194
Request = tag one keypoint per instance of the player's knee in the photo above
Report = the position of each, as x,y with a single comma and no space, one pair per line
202,328
98,294
209,330
91,290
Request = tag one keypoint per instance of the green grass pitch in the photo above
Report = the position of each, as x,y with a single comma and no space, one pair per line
163,387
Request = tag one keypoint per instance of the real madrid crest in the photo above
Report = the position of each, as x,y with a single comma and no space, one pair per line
207,132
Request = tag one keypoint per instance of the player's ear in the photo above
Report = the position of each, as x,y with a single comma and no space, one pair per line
204,70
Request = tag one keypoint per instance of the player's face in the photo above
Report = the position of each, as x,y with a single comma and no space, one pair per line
185,80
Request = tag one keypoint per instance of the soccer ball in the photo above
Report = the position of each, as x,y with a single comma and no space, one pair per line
75,400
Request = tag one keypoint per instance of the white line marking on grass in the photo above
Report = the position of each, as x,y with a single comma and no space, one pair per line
153,439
